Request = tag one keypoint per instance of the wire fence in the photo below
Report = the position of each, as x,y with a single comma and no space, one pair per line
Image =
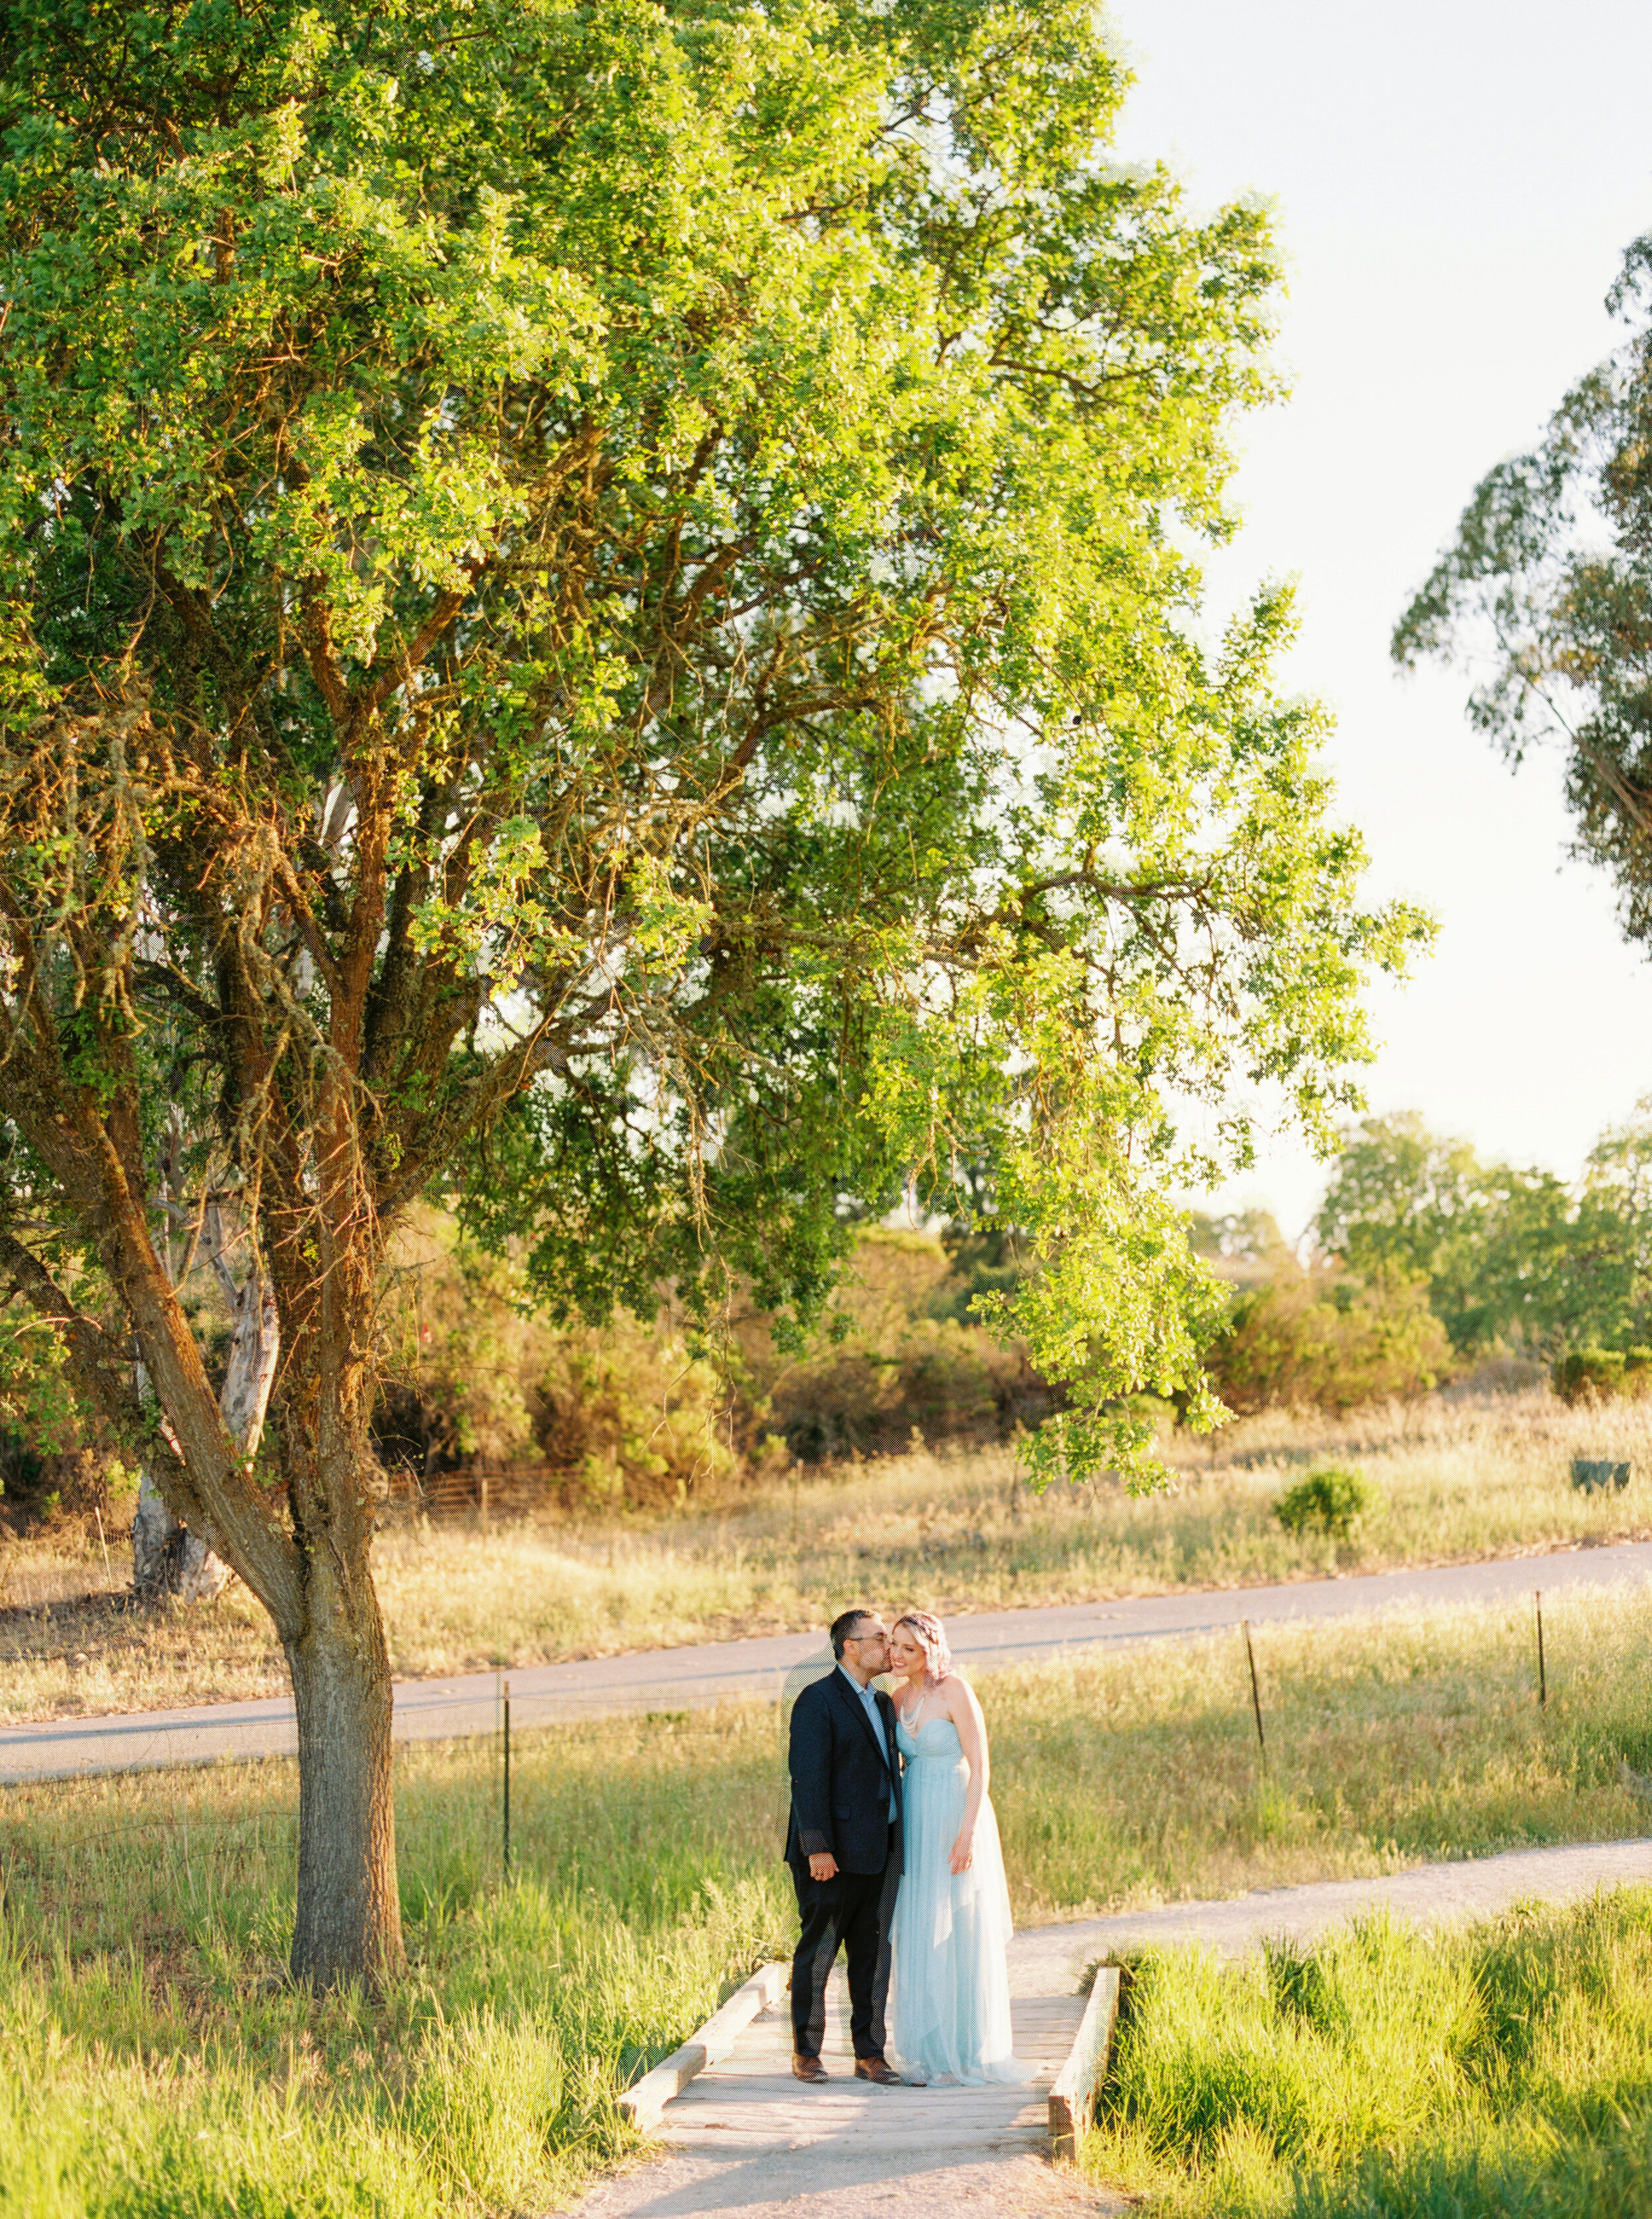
1540,1688
467,1720
474,1715
176,1747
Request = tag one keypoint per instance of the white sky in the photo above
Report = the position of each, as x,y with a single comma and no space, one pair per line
1455,183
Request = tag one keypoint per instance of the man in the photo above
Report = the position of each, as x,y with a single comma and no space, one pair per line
843,1844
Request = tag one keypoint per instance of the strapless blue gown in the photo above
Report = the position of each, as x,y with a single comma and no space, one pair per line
949,1990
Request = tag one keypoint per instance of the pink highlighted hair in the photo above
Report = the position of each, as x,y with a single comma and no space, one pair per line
930,1635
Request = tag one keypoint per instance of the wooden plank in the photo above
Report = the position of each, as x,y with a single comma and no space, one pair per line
1072,2099
749,2104
647,2100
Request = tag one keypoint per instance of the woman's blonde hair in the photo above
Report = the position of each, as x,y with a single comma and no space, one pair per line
931,1637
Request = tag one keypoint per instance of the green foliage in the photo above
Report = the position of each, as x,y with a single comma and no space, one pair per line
629,1415
1387,2074
1547,581
1590,1375
1600,1375
1331,1500
1317,1339
617,606
899,1362
52,1457
38,1404
1402,1201
473,1375
1510,1257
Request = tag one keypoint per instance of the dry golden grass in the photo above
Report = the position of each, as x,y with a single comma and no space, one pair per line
1458,1478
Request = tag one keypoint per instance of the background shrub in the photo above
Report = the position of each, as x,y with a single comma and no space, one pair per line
1317,1340
1331,1500
632,1414
1601,1375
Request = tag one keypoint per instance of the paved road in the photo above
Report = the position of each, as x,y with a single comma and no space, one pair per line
774,1667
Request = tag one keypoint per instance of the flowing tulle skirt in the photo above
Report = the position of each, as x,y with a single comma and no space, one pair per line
949,1990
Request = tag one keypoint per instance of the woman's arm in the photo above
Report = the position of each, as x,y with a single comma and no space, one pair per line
965,1714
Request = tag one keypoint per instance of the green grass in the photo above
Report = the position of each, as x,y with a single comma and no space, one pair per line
162,2067
1390,2074
157,2063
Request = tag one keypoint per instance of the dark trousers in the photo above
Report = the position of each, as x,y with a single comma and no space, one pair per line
852,1912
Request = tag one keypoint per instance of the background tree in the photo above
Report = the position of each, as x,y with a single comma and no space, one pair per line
593,609
1509,1258
1245,1247
1550,577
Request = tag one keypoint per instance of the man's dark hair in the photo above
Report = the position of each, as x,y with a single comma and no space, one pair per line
843,1629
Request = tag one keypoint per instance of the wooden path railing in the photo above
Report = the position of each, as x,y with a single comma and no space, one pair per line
646,2100
1072,2099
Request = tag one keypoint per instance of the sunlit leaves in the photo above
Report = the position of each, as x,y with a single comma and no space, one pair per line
1547,584
646,555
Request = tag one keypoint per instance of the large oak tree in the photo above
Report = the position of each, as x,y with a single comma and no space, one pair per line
597,609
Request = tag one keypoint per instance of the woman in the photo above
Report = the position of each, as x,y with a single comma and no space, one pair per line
950,1990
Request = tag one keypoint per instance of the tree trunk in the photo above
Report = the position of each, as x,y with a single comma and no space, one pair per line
349,1922
167,1558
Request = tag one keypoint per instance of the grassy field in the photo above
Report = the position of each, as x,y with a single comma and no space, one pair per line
1388,2074
157,2063
1457,1479
161,2065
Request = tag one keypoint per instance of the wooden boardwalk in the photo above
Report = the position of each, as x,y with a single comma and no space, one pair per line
746,2139
751,2101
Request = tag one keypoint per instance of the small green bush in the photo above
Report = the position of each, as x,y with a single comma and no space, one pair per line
1330,1501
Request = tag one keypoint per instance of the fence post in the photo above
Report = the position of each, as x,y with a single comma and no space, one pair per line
1543,1676
1255,1698
484,1502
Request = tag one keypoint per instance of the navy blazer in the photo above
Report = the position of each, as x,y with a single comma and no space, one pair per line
841,1779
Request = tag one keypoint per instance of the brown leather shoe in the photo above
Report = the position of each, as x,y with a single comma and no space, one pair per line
809,2068
874,2068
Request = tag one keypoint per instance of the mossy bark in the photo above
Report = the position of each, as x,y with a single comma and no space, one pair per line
349,1920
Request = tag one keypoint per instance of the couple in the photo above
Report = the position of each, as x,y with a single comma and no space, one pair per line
901,1868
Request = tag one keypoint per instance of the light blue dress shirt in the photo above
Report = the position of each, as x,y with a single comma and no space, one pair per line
869,1704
